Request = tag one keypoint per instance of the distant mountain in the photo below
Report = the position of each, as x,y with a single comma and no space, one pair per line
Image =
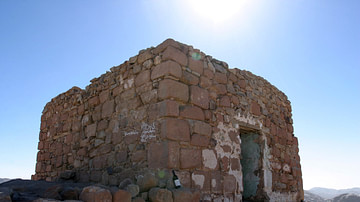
310,197
331,193
347,198
4,180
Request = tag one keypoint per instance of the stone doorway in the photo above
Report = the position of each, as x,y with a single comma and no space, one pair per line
251,165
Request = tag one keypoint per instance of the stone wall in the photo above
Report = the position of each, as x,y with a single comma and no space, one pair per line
173,108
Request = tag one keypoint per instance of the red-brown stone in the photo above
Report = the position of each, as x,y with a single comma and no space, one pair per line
220,89
205,82
216,182
175,54
168,108
192,112
196,65
190,78
95,194
202,128
108,108
190,158
104,95
174,154
199,97
207,181
220,78
242,83
229,184
185,178
144,56
94,101
165,44
121,196
208,73
200,140
165,69
172,89
142,78
157,155
175,129
90,130
225,101
235,164
255,108
138,156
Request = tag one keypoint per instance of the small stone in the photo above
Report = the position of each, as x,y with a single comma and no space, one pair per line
136,69
123,184
133,189
145,195
157,60
98,142
146,182
132,60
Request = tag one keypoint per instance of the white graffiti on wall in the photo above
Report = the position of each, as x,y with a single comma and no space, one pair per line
147,132
131,133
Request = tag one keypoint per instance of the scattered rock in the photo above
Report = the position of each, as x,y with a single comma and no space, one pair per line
138,199
5,194
70,193
133,189
45,200
53,192
144,195
121,196
95,194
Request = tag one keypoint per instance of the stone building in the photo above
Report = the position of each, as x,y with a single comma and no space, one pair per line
225,132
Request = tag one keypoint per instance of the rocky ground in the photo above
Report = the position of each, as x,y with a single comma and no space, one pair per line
42,191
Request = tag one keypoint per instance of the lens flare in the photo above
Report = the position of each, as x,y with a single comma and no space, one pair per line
196,56
216,10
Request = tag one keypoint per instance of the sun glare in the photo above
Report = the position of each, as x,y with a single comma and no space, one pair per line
217,11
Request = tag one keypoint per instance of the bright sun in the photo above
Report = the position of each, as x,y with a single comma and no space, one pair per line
217,11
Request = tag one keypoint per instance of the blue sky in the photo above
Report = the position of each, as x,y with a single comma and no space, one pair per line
309,49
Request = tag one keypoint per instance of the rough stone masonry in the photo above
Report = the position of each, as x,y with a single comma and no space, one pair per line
227,133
